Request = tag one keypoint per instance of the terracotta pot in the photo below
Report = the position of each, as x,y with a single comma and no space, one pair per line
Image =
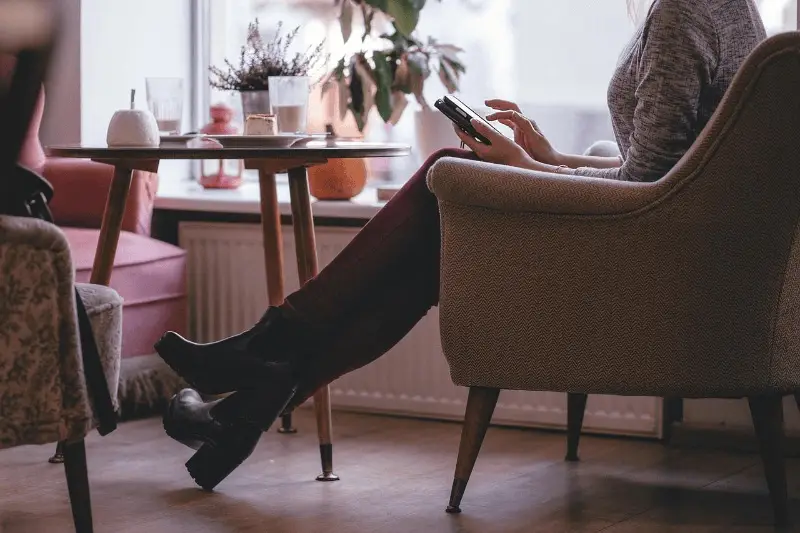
338,179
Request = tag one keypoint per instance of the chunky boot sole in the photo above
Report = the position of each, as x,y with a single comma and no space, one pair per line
215,461
249,413
216,374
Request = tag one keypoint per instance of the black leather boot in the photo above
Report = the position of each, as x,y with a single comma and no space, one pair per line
266,353
224,432
187,419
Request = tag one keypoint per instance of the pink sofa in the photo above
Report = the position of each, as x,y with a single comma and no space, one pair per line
150,275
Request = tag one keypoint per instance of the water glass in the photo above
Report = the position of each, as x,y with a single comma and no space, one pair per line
288,99
165,100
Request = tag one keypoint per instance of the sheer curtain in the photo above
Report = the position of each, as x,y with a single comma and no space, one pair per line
553,57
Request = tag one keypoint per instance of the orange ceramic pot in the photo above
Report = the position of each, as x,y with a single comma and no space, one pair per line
338,179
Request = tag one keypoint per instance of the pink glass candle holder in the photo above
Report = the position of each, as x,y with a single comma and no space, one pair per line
221,173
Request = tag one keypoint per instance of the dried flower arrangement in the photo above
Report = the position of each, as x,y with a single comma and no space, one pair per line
384,77
259,60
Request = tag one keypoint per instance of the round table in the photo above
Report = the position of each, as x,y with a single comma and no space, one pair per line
268,162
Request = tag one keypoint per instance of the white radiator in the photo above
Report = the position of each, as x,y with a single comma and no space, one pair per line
227,290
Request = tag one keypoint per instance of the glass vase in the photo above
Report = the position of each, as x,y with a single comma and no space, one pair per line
255,103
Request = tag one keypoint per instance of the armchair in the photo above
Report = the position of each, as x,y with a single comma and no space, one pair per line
43,394
683,287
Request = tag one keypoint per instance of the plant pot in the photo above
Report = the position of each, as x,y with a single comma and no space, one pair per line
434,131
254,103
338,179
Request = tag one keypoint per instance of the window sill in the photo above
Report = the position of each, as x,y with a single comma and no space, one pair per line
187,195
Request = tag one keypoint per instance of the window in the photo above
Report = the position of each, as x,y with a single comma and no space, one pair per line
779,15
554,58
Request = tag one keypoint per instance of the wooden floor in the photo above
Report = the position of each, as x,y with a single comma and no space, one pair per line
396,477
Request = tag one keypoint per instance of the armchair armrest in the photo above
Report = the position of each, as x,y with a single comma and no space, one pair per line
542,273
81,189
479,184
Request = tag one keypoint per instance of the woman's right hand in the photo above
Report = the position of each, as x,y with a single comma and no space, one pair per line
526,133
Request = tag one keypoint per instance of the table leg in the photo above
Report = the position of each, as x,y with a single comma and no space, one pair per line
273,253
306,247
107,245
111,227
286,425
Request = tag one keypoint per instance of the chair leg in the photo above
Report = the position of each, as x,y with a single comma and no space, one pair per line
480,406
78,485
672,415
576,407
58,457
767,413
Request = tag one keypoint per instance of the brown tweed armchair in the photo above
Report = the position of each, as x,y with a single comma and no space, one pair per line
689,286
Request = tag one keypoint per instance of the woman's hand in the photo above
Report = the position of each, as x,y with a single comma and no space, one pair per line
526,133
503,150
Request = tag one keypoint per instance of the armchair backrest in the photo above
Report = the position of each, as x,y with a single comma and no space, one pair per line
757,113
738,191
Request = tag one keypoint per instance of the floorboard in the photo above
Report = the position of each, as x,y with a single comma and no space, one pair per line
396,475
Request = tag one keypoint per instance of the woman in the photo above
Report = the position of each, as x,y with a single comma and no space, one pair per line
668,82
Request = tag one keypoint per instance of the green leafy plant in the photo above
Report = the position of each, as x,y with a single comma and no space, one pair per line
385,76
258,60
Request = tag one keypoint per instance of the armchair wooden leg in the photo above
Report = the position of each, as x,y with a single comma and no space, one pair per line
480,406
576,406
767,413
78,485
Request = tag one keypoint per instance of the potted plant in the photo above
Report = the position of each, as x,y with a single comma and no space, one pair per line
258,61
385,76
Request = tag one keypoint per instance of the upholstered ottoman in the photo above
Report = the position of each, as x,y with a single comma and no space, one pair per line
150,275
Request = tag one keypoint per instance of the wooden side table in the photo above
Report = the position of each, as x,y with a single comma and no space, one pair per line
268,162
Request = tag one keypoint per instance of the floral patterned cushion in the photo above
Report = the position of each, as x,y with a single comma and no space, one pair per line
43,394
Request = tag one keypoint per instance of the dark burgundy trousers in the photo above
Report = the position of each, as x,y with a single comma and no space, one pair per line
378,287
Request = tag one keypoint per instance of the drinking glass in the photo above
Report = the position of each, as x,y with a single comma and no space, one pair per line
165,100
288,99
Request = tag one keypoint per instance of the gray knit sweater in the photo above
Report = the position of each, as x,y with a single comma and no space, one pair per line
670,79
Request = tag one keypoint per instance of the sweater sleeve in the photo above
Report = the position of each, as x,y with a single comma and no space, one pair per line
679,54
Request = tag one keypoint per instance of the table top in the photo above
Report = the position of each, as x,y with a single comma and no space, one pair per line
330,149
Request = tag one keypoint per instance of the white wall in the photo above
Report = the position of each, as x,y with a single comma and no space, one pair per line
108,48
122,43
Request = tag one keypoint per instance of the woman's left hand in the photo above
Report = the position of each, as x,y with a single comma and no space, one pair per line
503,150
